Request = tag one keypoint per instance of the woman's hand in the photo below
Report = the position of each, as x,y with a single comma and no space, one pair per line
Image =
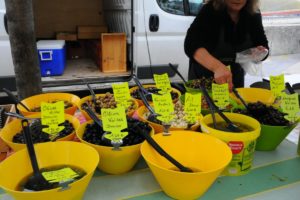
222,74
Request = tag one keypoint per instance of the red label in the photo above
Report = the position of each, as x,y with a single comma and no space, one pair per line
236,147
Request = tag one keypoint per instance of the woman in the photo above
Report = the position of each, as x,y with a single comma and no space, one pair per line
221,29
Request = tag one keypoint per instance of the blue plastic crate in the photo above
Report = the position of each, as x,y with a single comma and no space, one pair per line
52,57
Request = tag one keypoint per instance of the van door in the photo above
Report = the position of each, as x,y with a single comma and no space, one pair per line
166,23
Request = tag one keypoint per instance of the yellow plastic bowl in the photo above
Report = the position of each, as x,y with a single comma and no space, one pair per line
14,127
140,102
36,100
159,128
252,95
16,167
87,117
241,144
207,156
113,162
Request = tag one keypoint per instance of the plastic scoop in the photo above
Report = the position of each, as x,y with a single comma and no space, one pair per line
140,86
236,93
230,126
36,182
289,88
94,98
162,152
177,72
15,99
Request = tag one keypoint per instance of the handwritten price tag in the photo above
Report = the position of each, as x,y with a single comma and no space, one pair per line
163,105
114,120
290,105
162,82
220,94
60,175
52,115
121,94
277,84
192,106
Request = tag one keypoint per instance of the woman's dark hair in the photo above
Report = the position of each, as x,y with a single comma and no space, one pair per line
252,6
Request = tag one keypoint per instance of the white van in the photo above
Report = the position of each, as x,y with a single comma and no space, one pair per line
155,32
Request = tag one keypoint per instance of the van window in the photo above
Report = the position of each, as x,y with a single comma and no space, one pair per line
195,6
172,6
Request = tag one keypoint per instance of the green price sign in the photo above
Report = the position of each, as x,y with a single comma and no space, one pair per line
163,105
277,85
192,106
114,120
121,93
60,175
290,105
162,82
52,115
220,94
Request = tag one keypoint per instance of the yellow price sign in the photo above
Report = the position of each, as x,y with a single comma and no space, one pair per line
220,94
277,84
163,105
60,175
162,82
52,115
114,120
192,106
121,93
290,105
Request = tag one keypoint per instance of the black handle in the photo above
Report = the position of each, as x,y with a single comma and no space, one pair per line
289,88
92,93
163,153
30,147
15,99
177,72
5,23
236,93
90,112
154,23
146,102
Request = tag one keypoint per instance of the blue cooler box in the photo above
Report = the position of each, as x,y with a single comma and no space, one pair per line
52,57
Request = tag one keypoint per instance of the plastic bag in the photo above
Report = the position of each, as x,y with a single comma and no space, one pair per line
250,60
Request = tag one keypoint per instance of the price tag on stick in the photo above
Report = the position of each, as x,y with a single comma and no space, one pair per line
121,94
114,120
52,115
290,105
163,105
192,106
220,94
277,85
162,82
60,175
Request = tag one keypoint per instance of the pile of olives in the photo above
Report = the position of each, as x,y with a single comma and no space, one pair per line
135,94
196,83
39,136
267,115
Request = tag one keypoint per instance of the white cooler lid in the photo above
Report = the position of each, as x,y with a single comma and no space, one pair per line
50,44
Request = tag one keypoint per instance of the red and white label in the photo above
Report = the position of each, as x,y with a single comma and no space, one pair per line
236,146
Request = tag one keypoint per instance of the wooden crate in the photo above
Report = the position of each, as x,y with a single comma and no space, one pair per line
68,36
8,108
113,47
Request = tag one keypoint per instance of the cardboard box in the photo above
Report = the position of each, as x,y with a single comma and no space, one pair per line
113,47
67,36
8,108
90,32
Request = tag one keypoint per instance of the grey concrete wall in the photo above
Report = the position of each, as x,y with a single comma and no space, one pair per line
283,39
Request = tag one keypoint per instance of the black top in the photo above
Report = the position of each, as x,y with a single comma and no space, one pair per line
222,38
207,26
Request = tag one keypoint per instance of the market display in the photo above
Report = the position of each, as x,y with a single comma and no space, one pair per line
67,105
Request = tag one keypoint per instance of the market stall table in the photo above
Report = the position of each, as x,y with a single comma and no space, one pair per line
274,176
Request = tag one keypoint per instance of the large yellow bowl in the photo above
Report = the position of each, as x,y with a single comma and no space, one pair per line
241,144
84,99
207,156
113,162
140,102
14,127
159,128
36,100
252,95
17,167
